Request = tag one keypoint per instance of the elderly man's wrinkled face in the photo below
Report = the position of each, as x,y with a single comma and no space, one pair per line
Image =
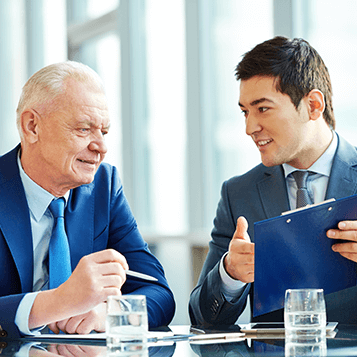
71,138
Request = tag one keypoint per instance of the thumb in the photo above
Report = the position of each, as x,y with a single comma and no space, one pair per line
241,231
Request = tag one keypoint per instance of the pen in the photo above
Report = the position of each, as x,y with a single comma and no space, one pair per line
197,330
173,338
214,338
211,336
140,275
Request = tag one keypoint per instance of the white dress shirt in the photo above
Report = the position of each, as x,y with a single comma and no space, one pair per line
42,221
316,185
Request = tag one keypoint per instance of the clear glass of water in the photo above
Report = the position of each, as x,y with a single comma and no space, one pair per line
305,313
127,325
305,346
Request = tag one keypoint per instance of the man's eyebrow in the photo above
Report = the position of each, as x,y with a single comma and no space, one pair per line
91,123
258,101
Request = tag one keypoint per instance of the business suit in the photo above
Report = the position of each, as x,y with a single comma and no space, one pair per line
260,194
97,217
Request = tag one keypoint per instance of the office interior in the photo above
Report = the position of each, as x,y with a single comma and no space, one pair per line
168,68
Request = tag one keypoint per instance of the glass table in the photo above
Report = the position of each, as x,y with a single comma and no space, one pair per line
344,343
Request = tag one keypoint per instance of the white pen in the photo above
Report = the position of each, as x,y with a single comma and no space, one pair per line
206,339
140,275
215,336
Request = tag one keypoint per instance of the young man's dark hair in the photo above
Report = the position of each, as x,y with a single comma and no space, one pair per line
297,66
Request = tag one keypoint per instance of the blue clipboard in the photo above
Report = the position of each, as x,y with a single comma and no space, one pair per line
292,251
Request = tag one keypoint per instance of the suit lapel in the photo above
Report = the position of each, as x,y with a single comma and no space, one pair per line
16,226
273,192
15,219
342,183
343,179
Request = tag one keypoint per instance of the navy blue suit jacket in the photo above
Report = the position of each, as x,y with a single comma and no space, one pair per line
97,217
260,194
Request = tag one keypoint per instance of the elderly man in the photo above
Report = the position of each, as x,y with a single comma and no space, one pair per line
62,277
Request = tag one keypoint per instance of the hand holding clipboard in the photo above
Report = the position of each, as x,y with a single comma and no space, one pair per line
293,251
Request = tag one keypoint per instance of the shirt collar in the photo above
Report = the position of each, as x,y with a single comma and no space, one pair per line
38,198
323,164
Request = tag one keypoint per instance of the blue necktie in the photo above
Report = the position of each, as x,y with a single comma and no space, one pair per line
59,259
302,195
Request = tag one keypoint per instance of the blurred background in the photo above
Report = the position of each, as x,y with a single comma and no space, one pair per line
168,67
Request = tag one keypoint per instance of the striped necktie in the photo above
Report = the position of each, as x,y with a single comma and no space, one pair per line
302,195
59,259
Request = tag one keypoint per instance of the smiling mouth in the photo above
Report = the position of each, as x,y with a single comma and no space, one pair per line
87,162
264,142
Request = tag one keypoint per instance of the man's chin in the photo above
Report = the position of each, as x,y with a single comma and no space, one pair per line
87,181
84,180
84,177
268,162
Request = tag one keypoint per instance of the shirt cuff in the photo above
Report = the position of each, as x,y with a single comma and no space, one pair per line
23,314
24,350
231,288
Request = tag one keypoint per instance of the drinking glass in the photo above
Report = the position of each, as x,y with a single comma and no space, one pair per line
305,313
127,325
296,346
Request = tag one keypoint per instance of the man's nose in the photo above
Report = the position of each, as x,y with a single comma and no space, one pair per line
98,144
252,124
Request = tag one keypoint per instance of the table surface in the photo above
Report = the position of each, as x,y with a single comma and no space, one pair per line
344,343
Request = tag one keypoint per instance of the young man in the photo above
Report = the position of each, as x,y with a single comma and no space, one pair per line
62,118
285,96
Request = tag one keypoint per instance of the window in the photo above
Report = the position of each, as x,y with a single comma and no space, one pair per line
333,34
177,132
228,29
168,68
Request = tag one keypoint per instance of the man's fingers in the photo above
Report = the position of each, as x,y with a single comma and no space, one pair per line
62,325
350,256
107,256
247,270
111,281
85,327
240,267
347,225
242,258
350,235
112,268
345,248
53,327
73,324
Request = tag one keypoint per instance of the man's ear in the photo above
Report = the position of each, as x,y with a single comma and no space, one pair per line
316,102
29,125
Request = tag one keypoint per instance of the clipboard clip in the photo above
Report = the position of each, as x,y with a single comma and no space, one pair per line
308,206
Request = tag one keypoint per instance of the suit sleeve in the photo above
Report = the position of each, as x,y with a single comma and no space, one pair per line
207,304
125,237
8,309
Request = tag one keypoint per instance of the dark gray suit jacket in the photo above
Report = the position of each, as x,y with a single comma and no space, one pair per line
260,194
